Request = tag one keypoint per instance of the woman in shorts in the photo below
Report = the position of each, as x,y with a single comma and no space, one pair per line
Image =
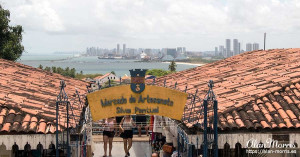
108,134
126,126
142,122
118,130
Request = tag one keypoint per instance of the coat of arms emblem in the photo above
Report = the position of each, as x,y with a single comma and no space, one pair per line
137,80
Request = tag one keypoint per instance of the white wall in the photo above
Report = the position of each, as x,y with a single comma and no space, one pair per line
243,138
32,139
110,76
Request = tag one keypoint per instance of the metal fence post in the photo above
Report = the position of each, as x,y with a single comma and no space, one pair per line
205,147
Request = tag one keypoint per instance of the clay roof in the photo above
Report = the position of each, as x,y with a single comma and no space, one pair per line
28,98
102,77
258,89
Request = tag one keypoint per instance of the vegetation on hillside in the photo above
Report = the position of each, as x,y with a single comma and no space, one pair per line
82,76
68,72
172,66
158,72
11,47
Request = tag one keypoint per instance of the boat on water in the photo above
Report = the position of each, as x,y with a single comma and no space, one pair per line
108,57
144,57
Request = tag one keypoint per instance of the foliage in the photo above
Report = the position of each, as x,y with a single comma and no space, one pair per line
65,72
82,76
112,83
172,66
158,72
40,66
68,72
11,47
113,72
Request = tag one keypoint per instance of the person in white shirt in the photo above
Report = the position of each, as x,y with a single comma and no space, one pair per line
126,126
108,134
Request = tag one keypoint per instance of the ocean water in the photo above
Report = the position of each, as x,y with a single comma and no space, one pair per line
92,65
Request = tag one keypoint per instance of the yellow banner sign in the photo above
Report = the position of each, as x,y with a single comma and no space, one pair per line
120,101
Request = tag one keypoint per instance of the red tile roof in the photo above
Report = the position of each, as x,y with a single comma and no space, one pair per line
258,89
102,77
28,97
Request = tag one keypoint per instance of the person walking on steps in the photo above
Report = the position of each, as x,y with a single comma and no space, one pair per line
126,126
108,134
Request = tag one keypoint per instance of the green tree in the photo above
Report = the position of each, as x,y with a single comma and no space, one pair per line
11,47
59,70
158,72
172,66
113,72
40,66
54,69
66,72
47,69
72,73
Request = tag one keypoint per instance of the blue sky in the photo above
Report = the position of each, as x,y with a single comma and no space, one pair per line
73,25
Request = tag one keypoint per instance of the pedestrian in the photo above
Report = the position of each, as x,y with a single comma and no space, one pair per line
126,126
108,134
142,121
118,130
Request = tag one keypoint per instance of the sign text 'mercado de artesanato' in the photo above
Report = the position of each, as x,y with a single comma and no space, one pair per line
121,100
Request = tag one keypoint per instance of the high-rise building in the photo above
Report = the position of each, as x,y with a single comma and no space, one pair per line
222,50
124,49
118,49
255,46
248,47
184,50
228,48
216,51
172,52
235,47
179,50
239,48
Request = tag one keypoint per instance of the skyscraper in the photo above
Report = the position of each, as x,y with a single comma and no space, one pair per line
216,51
118,49
179,50
248,47
235,47
228,48
172,52
124,49
222,50
255,46
184,50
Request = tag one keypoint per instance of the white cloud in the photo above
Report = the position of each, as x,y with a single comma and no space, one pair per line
196,24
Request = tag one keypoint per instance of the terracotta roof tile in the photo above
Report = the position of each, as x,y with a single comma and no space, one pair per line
28,96
258,89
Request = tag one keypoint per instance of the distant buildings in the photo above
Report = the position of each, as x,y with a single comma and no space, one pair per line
255,46
118,49
172,52
124,49
228,48
216,51
221,50
177,53
236,47
252,47
248,47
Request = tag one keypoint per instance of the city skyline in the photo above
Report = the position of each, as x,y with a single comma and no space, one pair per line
198,25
